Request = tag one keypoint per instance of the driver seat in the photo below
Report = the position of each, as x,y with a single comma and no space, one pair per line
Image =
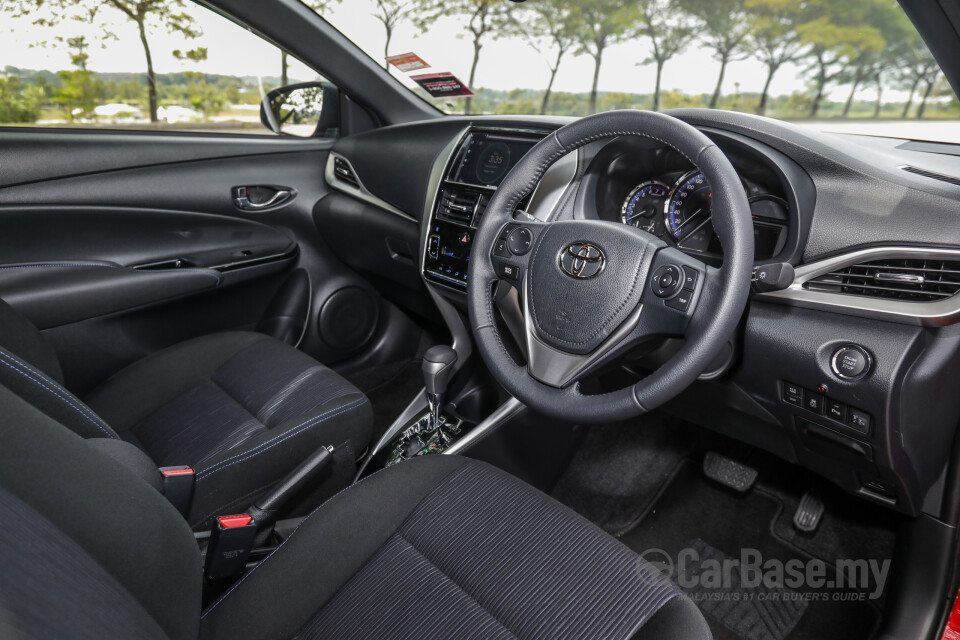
436,547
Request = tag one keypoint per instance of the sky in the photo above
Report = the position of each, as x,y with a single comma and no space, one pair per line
504,64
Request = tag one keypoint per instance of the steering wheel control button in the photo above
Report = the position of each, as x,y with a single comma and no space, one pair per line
667,280
851,362
519,241
690,276
500,248
509,271
812,401
682,301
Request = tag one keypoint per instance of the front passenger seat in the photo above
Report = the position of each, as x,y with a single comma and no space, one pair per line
437,547
241,408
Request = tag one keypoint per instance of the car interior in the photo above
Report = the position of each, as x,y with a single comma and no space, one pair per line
421,375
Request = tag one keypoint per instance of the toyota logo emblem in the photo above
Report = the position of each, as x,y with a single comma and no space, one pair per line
582,260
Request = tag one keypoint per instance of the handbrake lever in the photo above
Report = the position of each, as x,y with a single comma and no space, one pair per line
266,509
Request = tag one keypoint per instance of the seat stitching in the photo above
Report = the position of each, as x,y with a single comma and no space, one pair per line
303,426
456,584
11,365
312,513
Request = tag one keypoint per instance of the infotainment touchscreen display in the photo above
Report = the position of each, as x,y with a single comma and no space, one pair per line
487,157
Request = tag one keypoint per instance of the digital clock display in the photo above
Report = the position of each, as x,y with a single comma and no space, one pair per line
485,158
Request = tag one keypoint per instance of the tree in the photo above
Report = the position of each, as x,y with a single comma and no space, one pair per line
390,13
869,60
917,65
19,101
485,19
551,29
773,37
80,92
837,34
147,15
602,23
669,32
723,27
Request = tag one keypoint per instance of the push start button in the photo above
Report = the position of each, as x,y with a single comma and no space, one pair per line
851,362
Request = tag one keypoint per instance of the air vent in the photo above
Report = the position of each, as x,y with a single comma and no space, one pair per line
344,172
457,205
481,207
931,174
914,280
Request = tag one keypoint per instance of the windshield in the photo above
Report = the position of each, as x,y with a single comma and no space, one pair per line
856,66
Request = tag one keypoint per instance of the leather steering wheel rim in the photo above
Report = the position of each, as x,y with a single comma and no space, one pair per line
722,296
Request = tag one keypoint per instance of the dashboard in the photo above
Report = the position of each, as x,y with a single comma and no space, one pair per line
868,224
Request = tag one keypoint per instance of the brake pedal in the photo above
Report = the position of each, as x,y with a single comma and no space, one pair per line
729,472
809,513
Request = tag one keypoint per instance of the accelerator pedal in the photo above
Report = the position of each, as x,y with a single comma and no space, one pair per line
729,472
809,513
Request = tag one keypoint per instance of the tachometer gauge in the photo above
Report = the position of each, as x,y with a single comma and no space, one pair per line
642,204
687,212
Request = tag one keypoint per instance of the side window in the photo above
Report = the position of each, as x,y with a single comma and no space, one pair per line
154,64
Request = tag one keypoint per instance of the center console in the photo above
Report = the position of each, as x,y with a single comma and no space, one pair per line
481,161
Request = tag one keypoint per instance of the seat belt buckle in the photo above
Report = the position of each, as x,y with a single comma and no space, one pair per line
178,487
231,539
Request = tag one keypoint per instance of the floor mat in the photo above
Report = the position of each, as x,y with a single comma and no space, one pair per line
615,475
692,511
757,612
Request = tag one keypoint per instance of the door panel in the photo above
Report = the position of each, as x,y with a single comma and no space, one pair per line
175,257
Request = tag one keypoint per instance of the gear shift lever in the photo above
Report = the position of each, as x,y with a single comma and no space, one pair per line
437,367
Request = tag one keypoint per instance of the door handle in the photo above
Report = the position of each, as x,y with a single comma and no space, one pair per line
256,198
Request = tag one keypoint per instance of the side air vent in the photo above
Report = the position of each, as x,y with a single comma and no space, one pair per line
344,172
915,280
942,177
457,205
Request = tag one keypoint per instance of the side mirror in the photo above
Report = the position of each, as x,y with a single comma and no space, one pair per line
304,110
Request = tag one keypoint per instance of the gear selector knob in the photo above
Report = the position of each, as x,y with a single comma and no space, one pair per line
437,369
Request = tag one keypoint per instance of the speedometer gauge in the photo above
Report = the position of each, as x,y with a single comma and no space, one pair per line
687,212
642,204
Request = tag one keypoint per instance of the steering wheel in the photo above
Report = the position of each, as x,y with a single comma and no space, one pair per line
593,289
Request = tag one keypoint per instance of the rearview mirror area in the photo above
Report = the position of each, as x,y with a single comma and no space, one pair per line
303,110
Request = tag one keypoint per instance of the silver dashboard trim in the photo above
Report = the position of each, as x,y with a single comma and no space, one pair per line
361,193
494,421
936,313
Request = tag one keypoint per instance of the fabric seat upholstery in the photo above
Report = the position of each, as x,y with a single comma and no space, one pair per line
241,408
436,547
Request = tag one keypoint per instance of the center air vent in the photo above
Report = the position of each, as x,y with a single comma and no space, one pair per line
914,280
457,205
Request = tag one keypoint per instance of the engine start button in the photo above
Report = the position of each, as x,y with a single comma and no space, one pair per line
851,362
